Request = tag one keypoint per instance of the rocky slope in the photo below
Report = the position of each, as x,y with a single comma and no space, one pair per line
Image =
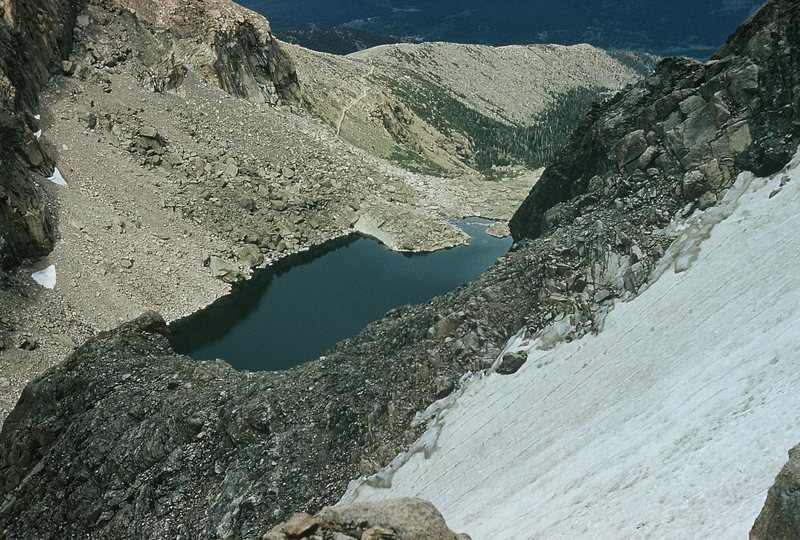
510,84
173,447
190,157
205,451
698,126
239,54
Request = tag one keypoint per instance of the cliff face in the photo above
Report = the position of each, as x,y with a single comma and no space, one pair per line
689,129
26,229
34,37
229,45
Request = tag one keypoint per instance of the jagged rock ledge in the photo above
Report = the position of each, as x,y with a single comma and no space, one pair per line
689,129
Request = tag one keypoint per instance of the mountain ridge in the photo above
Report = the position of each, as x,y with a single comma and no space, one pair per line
662,28
462,108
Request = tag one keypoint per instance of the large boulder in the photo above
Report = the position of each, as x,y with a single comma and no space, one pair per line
399,519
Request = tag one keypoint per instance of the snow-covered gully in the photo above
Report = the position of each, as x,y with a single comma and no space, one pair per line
672,422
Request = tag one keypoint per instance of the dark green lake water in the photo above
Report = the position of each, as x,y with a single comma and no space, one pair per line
291,314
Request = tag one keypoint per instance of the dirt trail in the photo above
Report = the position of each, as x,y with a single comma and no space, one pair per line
354,102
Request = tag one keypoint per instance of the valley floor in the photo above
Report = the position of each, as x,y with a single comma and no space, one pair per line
672,422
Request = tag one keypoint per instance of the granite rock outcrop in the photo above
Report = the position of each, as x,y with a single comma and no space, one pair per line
689,129
396,519
226,43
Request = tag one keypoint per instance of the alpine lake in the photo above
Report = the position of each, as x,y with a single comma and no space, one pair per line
294,311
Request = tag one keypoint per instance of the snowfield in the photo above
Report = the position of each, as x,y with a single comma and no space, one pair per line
672,422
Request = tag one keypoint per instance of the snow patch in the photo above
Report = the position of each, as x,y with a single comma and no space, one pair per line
57,179
690,234
38,134
46,278
672,422
554,333
425,444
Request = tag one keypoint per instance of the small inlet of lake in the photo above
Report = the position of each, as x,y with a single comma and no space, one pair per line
292,313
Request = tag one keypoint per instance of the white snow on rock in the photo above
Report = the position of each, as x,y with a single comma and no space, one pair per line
38,134
672,422
46,278
57,178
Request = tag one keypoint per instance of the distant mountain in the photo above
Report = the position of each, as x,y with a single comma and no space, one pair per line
662,27
340,40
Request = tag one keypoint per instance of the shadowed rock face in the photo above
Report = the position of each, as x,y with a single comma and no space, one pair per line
26,229
780,517
690,127
34,37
